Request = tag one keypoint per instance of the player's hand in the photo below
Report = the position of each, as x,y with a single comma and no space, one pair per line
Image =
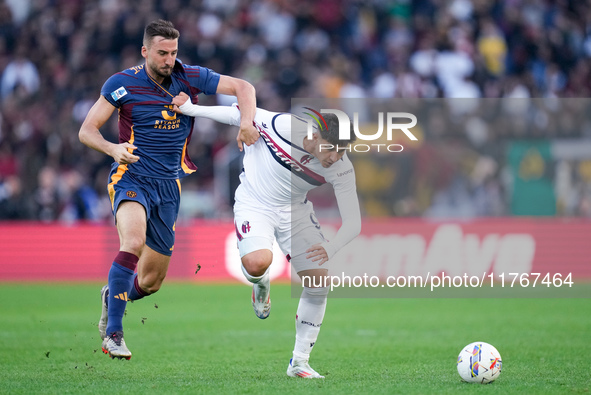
317,253
248,135
178,101
122,155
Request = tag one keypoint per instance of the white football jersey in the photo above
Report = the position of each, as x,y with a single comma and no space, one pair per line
278,172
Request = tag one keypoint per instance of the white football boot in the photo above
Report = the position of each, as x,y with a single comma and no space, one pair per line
114,345
302,369
261,297
102,324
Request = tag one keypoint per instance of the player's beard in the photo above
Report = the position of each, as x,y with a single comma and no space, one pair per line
162,72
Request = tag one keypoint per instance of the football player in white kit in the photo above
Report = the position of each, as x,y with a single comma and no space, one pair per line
279,170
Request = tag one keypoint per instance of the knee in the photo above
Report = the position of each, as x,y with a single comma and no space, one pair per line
133,244
255,268
256,263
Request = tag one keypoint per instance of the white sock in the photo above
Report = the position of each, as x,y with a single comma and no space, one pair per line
308,321
262,284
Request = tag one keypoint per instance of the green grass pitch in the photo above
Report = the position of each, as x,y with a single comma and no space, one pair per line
195,338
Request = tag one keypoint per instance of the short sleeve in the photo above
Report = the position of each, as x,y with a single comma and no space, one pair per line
202,78
114,90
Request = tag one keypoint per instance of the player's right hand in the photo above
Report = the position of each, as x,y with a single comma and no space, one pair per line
178,101
122,153
248,135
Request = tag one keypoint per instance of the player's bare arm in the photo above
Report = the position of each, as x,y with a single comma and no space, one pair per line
245,93
222,114
91,136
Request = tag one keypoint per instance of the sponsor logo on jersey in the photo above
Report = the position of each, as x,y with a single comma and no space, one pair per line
118,93
131,194
286,159
170,121
166,115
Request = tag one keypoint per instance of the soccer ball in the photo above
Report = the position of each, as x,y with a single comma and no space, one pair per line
479,362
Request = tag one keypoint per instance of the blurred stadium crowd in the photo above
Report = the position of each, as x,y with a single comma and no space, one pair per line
56,54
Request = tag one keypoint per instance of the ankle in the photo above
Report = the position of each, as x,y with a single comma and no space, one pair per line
300,358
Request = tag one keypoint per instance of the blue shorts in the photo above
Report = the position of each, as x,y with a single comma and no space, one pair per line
160,197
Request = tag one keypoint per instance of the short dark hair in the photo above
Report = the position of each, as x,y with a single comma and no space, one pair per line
160,28
332,133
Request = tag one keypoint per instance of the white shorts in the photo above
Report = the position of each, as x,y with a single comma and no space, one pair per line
295,228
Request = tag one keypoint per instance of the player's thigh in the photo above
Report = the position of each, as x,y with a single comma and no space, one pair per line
300,262
255,229
131,207
297,234
131,225
164,209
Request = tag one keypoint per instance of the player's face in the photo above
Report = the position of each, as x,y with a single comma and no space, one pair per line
160,56
327,157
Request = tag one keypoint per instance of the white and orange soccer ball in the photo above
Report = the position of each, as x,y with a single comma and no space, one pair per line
479,362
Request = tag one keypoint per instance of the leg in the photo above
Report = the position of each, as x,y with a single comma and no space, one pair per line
257,262
151,271
255,267
131,226
255,230
309,318
160,236
299,234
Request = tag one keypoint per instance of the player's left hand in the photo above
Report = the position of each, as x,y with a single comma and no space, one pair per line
248,135
317,253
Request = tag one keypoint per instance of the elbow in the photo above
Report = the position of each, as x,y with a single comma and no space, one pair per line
357,226
246,88
82,136
357,229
